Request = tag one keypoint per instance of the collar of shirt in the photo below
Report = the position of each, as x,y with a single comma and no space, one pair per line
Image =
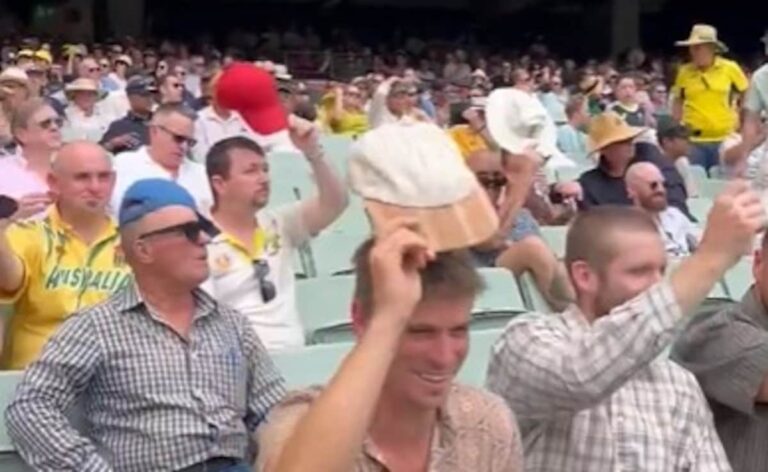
753,307
75,112
257,243
66,234
208,113
130,300
574,318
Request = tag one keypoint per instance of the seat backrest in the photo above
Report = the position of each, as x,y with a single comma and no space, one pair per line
739,278
502,293
555,237
534,300
699,208
324,302
8,382
332,253
476,363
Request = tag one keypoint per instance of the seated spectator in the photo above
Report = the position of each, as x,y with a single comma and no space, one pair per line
743,154
267,241
517,245
591,383
627,106
346,115
215,123
211,382
46,278
674,141
411,314
612,138
24,177
659,100
171,89
83,120
170,140
132,131
645,185
728,354
736,162
14,90
571,138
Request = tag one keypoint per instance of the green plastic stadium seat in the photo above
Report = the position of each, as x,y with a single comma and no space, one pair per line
569,174
501,300
475,366
8,382
700,208
332,253
324,307
534,300
739,278
353,221
699,173
555,237
711,188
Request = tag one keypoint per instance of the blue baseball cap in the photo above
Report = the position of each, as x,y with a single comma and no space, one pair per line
149,195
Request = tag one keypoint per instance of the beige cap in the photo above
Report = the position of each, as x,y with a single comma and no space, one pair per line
415,170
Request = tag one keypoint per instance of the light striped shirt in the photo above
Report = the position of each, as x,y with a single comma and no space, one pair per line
599,398
152,400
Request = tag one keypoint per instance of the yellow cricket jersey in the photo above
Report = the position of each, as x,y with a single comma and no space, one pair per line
707,97
467,139
61,275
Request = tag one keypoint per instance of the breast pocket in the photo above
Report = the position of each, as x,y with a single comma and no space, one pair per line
223,369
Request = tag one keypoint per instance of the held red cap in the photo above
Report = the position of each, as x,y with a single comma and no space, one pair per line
252,92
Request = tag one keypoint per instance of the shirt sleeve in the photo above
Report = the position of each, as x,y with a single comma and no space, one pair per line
703,450
36,418
754,99
740,81
543,369
26,244
729,357
266,386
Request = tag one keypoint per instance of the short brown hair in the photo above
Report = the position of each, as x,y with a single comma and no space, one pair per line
591,235
23,113
451,274
575,104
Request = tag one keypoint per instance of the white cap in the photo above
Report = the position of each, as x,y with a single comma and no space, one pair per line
416,170
517,120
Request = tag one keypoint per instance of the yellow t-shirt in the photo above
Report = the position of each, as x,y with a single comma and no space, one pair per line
61,276
350,124
707,97
467,140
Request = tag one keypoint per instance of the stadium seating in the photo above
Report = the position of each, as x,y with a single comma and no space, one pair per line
568,174
699,208
331,253
739,279
555,236
353,221
8,382
324,306
501,300
699,173
711,188
534,300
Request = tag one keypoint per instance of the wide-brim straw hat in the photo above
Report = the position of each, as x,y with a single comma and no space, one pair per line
609,128
81,85
703,34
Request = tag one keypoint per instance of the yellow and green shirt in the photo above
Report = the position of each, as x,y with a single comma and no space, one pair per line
708,98
62,274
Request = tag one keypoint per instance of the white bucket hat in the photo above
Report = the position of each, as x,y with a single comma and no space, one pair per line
517,120
415,170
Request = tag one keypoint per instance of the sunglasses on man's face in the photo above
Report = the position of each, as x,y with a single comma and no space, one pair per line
266,287
190,230
656,185
179,139
48,123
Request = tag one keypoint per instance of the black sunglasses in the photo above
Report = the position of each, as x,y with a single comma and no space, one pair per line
179,138
48,123
656,185
266,287
190,230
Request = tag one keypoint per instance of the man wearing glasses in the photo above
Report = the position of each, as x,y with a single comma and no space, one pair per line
170,141
395,100
252,259
170,379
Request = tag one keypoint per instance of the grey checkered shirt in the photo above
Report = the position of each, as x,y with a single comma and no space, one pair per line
599,397
152,400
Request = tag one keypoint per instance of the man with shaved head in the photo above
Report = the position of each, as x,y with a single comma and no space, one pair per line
68,260
171,380
645,187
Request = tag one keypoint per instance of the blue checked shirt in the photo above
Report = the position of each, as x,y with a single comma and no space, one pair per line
152,401
599,397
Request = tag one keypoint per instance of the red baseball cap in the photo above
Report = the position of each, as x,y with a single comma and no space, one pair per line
252,92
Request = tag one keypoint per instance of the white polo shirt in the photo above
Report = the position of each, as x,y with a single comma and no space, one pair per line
680,235
233,282
79,126
210,128
137,165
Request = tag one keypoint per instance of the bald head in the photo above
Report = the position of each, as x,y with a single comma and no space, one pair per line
645,186
82,178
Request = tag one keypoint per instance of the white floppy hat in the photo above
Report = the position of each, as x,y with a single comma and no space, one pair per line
82,85
415,170
517,120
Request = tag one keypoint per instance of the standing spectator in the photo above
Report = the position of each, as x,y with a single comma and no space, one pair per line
252,258
211,382
704,94
728,354
132,131
171,132
84,121
645,186
411,314
571,138
66,261
393,101
590,384
36,128
627,105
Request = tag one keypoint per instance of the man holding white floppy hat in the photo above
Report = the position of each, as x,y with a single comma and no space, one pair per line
415,286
